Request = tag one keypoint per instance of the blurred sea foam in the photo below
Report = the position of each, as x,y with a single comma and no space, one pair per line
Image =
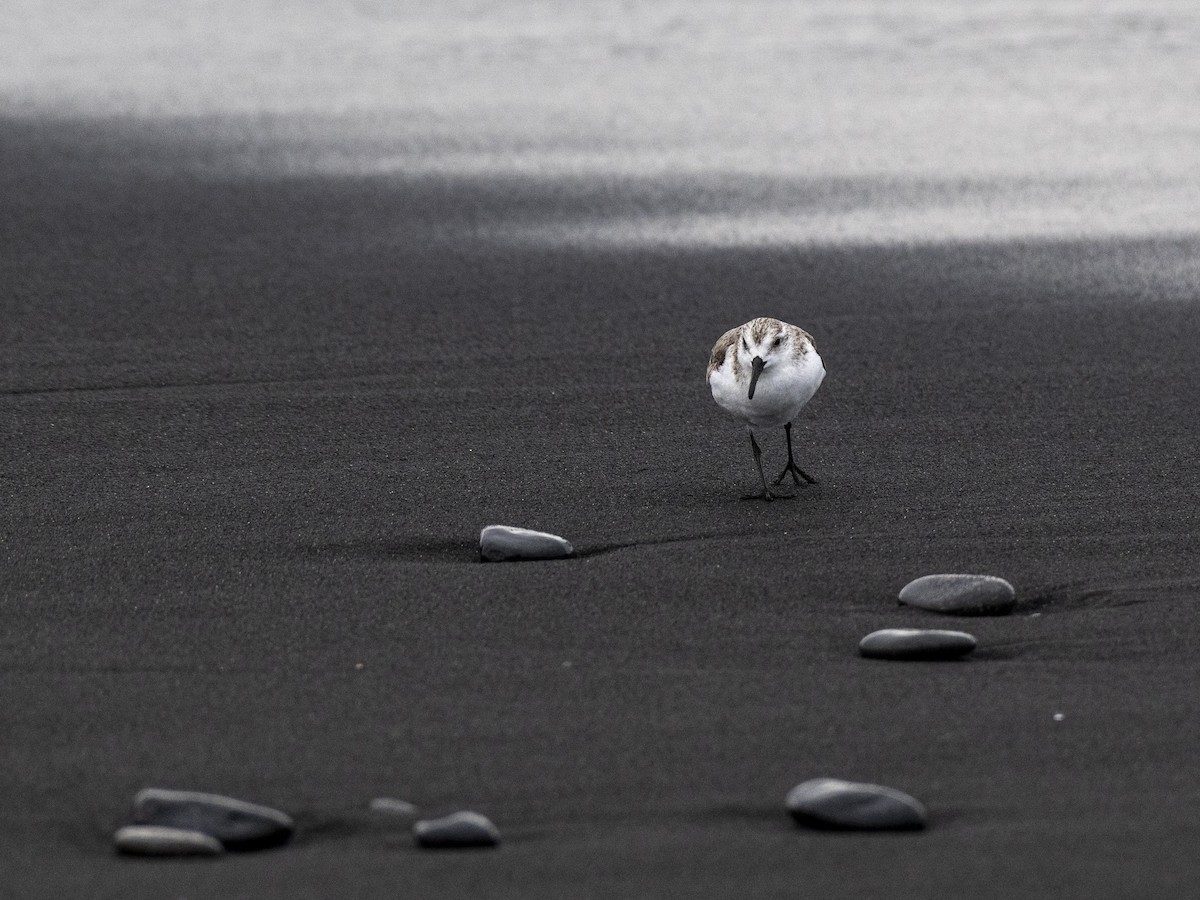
702,122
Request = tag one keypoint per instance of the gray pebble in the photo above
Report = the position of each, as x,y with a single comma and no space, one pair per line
916,644
850,805
460,829
963,595
499,543
156,840
238,825
393,807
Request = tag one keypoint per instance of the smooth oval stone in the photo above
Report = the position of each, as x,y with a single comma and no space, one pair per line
460,829
963,595
393,807
916,644
499,543
157,840
238,825
851,805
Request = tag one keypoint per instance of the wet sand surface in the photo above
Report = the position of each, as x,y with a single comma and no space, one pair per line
267,370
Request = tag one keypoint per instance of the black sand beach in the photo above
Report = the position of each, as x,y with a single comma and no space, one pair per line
254,419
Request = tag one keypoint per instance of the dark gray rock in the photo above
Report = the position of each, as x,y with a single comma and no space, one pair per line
156,840
916,644
238,825
850,805
460,829
963,595
500,543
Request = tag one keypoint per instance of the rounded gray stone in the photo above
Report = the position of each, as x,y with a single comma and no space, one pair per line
501,543
850,805
238,825
963,595
916,644
457,830
157,840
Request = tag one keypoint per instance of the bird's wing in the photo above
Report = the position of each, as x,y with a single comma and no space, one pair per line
720,348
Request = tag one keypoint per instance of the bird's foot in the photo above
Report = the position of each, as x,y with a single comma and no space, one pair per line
768,495
796,472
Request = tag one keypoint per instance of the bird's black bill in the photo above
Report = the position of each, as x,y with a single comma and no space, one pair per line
756,367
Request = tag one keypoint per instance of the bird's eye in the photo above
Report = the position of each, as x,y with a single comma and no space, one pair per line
777,341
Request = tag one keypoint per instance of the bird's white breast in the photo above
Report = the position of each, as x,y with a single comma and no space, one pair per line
782,390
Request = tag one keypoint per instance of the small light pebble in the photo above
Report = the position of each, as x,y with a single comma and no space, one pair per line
916,644
849,805
235,823
500,543
157,840
963,595
393,807
460,829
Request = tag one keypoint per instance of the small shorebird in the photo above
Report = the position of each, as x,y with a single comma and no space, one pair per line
763,373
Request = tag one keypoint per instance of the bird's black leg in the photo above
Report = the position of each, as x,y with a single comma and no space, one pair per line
796,472
767,493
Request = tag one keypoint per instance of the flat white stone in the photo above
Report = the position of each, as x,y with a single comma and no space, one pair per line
960,594
460,829
393,807
158,840
500,543
852,805
916,644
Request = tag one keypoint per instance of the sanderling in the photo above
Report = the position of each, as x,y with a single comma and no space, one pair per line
763,373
